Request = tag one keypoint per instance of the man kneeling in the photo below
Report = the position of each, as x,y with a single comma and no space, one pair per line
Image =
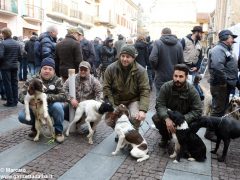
176,95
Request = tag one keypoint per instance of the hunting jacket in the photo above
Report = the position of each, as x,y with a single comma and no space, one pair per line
185,100
54,90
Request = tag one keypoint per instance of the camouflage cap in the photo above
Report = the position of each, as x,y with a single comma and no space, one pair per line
73,30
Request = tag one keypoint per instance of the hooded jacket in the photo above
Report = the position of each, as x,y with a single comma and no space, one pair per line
166,52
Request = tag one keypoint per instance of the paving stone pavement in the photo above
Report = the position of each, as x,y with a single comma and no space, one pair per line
60,158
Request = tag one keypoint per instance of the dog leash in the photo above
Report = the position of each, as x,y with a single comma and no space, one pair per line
227,115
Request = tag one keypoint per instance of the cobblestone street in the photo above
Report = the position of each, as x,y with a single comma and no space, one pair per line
57,159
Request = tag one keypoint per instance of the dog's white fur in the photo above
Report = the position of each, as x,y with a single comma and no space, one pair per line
90,108
176,143
40,110
122,126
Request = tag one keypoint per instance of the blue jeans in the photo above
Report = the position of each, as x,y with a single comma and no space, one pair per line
10,82
31,68
55,111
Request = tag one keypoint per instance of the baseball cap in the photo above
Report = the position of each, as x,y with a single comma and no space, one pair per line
85,64
225,33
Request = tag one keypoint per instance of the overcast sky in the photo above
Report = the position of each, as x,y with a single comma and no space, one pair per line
202,5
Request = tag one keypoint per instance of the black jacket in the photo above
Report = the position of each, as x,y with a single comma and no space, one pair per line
166,52
142,57
29,48
68,55
10,54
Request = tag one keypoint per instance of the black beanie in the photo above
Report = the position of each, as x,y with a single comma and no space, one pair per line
129,49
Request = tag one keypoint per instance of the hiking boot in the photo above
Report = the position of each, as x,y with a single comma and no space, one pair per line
210,135
163,143
59,137
33,133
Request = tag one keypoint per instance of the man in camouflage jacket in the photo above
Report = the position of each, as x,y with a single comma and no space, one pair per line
55,95
87,87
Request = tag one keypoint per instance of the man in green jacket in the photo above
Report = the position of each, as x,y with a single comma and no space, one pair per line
126,82
177,95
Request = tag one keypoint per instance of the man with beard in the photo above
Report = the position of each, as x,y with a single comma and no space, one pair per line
177,95
192,49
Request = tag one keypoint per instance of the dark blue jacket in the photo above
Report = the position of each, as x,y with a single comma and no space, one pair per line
47,46
10,54
88,52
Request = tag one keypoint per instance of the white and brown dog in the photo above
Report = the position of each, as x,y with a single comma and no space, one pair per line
94,110
119,121
234,108
36,99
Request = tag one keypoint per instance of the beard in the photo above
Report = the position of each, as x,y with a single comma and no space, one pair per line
179,84
198,37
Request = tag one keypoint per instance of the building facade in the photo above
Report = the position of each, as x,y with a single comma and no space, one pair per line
97,17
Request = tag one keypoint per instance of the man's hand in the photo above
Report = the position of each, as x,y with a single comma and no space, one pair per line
170,125
193,69
141,116
74,103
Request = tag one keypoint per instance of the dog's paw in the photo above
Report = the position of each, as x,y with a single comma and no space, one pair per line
175,161
36,139
28,118
90,141
173,155
45,115
191,159
67,133
114,153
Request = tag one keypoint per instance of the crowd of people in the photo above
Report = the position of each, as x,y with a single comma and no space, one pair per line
124,71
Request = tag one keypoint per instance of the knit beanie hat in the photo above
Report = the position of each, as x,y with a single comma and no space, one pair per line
129,49
48,62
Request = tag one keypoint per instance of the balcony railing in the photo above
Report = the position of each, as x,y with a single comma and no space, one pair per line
59,7
34,12
9,5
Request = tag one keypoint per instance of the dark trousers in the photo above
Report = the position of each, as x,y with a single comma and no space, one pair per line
23,70
161,126
220,99
2,89
10,82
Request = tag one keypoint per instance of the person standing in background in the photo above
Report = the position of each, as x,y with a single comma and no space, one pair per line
10,56
166,52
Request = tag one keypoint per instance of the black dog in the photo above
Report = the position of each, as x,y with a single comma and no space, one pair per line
189,141
226,128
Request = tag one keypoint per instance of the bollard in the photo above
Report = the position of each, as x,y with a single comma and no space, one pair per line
72,92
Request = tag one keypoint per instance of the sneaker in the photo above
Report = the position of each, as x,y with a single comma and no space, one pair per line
33,133
59,138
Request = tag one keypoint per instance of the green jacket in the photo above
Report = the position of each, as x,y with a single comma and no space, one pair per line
54,90
185,100
136,87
